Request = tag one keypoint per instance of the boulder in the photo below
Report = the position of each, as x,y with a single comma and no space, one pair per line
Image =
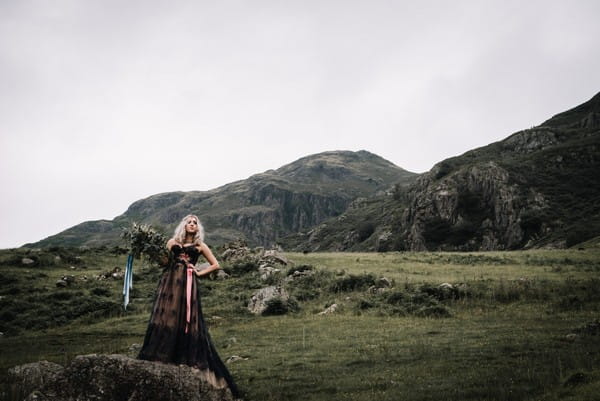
571,337
376,290
236,358
115,274
27,261
259,300
32,376
113,377
383,282
297,274
274,257
329,310
221,275
267,271
236,250
62,283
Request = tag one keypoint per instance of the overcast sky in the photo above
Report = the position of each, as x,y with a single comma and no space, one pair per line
103,103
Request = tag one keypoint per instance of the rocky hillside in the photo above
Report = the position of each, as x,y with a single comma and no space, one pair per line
365,226
261,209
538,187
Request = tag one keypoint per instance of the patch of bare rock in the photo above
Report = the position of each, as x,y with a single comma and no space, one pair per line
111,377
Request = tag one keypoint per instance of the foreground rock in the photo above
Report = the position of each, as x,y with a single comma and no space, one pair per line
111,377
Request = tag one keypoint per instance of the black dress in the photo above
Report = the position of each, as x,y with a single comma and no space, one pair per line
177,332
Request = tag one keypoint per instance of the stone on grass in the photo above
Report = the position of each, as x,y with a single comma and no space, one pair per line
113,377
235,358
221,275
266,271
329,310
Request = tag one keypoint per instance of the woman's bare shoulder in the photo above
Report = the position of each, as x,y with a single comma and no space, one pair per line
172,242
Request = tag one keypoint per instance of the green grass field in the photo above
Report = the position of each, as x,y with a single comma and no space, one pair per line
520,326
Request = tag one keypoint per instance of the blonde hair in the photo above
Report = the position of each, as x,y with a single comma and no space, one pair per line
179,234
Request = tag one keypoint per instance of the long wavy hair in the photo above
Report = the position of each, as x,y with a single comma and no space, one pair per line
179,234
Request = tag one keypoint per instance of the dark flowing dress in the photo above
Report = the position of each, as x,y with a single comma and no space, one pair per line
177,332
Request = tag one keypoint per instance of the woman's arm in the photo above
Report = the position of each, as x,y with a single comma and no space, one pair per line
210,258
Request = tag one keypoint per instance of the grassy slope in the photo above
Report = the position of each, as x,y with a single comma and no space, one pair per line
506,340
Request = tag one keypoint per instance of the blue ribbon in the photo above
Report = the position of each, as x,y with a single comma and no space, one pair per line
128,280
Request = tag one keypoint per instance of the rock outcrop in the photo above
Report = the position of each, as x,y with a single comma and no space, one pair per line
260,300
112,377
477,207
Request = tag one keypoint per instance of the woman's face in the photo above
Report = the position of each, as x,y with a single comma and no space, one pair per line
191,226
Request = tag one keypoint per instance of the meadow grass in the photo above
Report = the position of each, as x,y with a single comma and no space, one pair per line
506,336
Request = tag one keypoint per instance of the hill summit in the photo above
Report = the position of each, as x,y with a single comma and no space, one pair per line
261,209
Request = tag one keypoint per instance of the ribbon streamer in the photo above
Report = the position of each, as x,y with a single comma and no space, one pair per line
188,295
128,280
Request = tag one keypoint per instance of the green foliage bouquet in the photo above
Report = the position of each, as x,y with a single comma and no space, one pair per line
142,239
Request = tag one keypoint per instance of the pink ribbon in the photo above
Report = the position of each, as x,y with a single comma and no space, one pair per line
190,277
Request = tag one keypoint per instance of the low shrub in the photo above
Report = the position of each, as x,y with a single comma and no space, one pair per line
310,286
353,282
441,293
242,266
101,291
433,311
278,306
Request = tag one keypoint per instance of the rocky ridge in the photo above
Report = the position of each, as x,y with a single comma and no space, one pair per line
537,188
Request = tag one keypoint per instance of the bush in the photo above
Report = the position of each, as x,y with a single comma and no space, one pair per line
310,286
65,295
365,230
433,311
440,293
101,291
394,297
365,303
352,282
242,266
277,306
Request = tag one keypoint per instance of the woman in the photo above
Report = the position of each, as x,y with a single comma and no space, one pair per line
177,332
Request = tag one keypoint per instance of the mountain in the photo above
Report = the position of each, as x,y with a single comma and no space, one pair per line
539,187
261,209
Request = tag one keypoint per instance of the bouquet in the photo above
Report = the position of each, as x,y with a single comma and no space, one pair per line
144,240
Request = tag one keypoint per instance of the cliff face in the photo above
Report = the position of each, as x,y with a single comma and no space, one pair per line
474,208
538,187
278,212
